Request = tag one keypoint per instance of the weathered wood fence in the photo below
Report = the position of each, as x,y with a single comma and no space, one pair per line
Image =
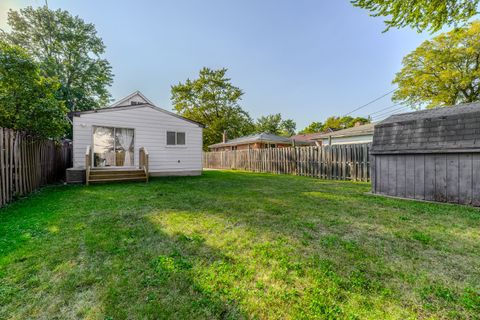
26,163
337,162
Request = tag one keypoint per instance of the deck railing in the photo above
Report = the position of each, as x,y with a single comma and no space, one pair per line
88,163
143,160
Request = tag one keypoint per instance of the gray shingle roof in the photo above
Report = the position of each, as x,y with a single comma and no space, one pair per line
349,132
257,137
433,113
441,130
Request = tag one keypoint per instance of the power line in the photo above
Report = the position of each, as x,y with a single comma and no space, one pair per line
369,103
390,112
385,115
383,109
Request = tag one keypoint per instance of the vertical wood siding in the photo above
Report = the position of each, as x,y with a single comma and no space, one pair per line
453,178
338,162
26,163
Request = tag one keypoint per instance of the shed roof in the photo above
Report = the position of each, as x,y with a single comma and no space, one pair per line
462,109
361,130
263,137
440,130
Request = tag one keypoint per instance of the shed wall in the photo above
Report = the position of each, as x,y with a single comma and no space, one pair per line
452,177
151,127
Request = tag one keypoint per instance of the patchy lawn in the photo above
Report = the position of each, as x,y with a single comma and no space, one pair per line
232,245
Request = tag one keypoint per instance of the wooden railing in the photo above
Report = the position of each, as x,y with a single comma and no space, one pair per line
88,163
337,162
143,160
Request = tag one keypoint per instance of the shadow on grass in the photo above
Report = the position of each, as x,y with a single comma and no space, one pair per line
102,259
117,251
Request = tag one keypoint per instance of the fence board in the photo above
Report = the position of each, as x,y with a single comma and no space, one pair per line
27,163
337,162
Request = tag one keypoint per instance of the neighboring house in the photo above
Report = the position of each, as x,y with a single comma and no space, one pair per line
361,133
306,138
116,134
255,141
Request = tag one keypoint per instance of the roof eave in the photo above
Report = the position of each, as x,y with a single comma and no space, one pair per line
136,106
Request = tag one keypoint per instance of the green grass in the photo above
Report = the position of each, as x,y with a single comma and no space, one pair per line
233,245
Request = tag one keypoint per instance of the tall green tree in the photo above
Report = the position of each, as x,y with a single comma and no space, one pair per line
313,127
274,124
68,49
443,71
27,98
214,101
421,15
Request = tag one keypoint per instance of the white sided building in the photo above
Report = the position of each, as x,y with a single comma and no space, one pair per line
116,138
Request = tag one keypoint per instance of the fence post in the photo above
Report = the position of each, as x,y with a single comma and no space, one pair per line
26,163
345,162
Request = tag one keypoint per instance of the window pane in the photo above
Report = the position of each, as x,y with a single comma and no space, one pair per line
181,138
103,145
170,138
124,148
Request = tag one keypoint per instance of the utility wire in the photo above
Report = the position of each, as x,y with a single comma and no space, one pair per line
390,112
383,109
383,116
369,103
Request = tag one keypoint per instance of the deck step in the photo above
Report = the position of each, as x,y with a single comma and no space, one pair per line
117,176
113,175
117,179
102,172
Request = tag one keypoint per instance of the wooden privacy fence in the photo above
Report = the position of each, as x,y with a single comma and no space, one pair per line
337,162
26,163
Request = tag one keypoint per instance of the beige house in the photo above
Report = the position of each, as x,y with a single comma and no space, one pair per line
357,134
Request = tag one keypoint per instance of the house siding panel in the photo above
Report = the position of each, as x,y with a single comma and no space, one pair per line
349,140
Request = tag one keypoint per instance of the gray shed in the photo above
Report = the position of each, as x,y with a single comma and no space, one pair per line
429,155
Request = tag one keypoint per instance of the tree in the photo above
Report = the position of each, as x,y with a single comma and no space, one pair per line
313,127
27,98
214,101
274,124
66,48
421,15
443,71
339,123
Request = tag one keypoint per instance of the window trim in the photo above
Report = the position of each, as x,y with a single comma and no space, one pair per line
176,137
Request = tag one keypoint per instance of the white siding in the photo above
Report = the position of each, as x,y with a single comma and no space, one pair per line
349,140
151,128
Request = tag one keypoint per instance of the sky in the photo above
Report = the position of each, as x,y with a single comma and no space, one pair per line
305,59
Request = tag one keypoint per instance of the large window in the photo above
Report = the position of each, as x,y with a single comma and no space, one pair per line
175,138
113,147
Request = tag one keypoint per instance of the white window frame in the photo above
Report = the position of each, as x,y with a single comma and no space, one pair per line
176,135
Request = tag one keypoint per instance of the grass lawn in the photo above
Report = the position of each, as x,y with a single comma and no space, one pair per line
233,245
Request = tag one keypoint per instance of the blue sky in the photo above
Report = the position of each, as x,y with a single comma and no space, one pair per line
306,59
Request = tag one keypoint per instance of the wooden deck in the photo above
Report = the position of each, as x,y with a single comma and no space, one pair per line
101,175
116,174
